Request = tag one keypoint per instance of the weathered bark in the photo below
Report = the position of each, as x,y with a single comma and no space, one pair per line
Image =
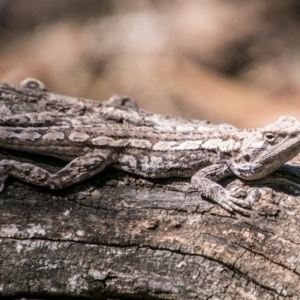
119,235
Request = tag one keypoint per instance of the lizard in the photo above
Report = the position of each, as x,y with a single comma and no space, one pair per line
89,145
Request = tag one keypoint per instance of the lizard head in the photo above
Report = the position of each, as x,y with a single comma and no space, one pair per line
266,149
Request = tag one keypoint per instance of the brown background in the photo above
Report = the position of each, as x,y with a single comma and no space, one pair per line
224,61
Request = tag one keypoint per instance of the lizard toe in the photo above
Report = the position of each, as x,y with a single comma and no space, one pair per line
230,206
238,192
240,202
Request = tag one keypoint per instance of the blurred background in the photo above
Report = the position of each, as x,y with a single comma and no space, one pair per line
228,61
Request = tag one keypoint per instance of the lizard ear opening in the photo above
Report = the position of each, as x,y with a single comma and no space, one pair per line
226,155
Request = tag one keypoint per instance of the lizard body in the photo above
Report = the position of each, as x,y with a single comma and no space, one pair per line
206,154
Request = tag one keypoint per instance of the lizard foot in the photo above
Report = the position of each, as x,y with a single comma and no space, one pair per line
233,204
236,205
243,197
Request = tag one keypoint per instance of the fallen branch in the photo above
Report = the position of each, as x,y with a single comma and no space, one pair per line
120,235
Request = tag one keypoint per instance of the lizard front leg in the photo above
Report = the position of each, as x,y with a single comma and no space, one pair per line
205,181
77,170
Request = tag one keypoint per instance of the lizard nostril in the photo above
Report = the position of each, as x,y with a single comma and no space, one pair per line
246,157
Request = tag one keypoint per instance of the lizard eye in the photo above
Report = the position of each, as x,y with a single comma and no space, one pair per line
270,137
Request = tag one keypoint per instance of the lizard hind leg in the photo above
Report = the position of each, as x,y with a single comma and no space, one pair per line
79,169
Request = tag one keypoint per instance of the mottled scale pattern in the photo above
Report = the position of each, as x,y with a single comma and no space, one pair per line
149,146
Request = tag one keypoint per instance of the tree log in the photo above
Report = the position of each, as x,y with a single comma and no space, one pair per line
120,236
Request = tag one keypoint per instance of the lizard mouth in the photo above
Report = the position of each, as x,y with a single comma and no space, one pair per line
250,171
